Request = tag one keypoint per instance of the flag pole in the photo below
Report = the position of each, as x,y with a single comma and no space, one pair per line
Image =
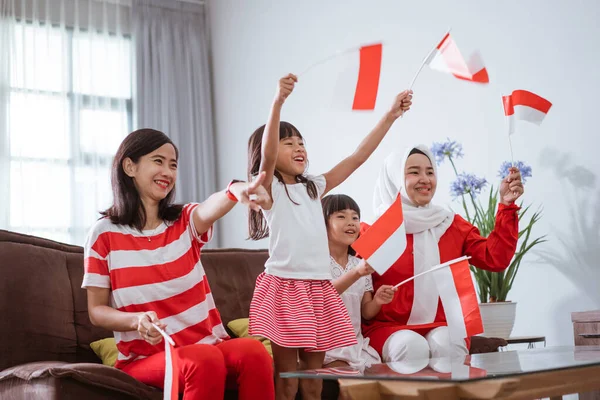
440,266
512,157
425,61
507,123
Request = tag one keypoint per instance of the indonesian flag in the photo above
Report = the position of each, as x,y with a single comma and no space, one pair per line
447,58
525,106
358,83
171,384
459,299
385,241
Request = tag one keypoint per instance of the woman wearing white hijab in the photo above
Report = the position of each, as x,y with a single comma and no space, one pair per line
414,324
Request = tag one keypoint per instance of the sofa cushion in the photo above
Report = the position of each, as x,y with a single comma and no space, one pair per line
36,302
97,375
51,322
106,350
239,327
232,276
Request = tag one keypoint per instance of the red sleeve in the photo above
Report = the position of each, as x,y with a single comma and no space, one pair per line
95,264
494,252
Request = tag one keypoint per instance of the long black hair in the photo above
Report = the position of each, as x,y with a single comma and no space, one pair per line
339,202
127,207
257,224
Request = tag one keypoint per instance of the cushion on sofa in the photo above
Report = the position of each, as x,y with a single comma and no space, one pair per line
106,350
239,327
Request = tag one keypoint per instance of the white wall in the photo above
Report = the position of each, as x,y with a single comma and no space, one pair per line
549,47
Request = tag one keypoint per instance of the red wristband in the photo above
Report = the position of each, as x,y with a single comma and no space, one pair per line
230,195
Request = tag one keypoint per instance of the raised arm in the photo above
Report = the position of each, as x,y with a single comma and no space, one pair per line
270,139
220,203
495,252
347,166
342,283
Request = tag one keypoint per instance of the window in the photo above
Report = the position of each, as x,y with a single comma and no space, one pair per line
69,107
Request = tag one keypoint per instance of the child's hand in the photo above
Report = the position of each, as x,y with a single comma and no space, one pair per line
384,295
252,194
402,103
364,268
285,88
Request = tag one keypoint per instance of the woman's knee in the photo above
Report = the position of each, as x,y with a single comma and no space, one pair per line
405,345
202,358
254,351
441,345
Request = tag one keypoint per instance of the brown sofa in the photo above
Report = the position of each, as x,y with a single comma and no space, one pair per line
45,332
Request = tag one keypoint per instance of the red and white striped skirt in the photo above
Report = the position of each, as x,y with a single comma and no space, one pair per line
307,314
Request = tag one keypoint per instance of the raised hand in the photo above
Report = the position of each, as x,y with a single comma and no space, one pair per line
285,87
364,268
401,104
252,194
511,187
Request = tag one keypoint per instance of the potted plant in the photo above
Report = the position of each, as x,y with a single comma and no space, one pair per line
497,313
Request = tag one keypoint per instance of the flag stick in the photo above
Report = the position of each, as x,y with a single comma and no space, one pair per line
164,334
512,157
440,266
425,61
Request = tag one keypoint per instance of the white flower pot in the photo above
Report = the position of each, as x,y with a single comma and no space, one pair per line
498,318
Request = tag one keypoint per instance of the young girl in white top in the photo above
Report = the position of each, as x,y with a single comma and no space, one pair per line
352,278
294,303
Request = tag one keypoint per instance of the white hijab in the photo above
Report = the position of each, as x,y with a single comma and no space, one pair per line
427,224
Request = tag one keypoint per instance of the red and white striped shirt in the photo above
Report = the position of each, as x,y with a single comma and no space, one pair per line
159,271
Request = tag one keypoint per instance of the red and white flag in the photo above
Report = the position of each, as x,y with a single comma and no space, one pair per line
525,106
459,299
385,241
171,383
447,58
358,82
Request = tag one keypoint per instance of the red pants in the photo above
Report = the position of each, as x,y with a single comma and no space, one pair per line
205,370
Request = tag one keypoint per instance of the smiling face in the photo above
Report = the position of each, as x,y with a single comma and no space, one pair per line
291,157
154,174
343,227
420,181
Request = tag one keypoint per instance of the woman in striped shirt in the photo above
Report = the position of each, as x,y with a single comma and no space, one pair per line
142,267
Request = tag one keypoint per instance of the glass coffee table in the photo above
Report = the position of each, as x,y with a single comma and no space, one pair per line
545,372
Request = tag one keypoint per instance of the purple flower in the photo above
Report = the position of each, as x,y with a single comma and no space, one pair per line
451,149
525,170
467,183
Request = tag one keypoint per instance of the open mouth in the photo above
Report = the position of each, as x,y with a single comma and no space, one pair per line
423,190
163,184
299,159
350,231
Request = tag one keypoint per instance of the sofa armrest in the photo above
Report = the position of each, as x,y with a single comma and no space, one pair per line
98,376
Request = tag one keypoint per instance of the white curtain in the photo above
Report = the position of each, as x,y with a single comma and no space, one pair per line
173,91
65,105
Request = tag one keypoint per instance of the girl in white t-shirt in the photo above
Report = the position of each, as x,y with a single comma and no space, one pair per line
294,303
352,279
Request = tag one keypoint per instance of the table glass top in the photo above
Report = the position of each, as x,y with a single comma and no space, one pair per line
469,368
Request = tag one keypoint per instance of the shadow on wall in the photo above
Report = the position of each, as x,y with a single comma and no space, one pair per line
576,247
